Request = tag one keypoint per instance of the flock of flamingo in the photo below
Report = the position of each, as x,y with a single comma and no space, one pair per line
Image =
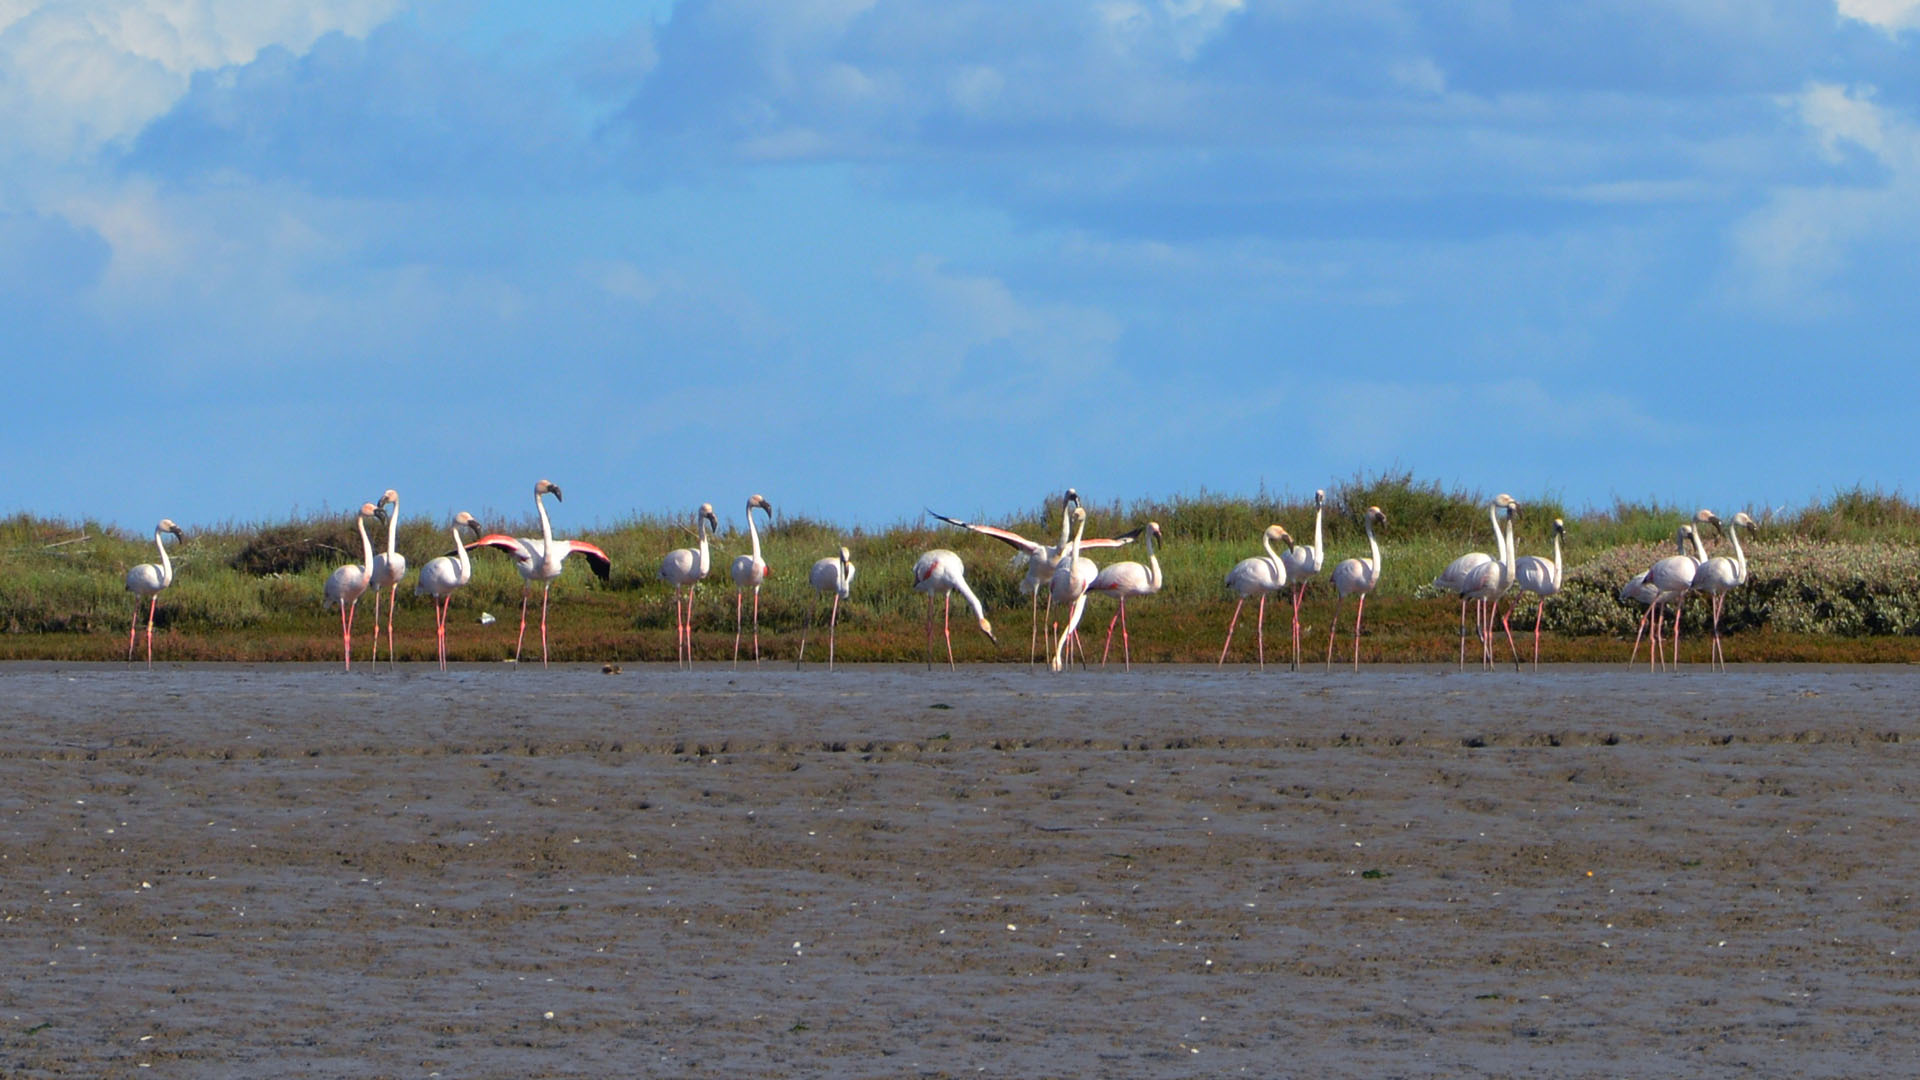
1061,571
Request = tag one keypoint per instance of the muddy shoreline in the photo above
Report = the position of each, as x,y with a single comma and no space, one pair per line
225,870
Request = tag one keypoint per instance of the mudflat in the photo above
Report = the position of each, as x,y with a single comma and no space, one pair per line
248,870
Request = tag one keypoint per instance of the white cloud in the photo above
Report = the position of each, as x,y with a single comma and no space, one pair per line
1892,16
1789,254
76,74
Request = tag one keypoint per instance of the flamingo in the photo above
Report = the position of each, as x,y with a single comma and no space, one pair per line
834,575
1671,578
1489,583
1720,575
1638,591
1455,577
748,572
1258,576
345,584
542,560
146,581
1042,559
1303,563
1071,578
684,568
1123,580
1536,575
941,571
442,575
1356,577
389,568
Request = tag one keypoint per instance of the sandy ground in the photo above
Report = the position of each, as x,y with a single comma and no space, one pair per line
239,871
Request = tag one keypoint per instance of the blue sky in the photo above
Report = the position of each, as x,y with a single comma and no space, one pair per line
867,255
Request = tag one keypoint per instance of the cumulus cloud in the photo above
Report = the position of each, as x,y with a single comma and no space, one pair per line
1892,16
1792,256
77,74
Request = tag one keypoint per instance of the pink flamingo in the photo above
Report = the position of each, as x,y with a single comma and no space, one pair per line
748,571
1258,576
146,581
346,584
1356,577
541,559
1123,580
941,571
684,568
444,574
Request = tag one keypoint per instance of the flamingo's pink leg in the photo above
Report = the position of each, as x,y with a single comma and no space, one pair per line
1358,613
946,627
1260,631
151,605
526,591
1126,643
1230,624
833,623
545,591
756,624
1333,627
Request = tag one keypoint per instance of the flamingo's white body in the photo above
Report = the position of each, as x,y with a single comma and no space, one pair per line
1720,575
1671,579
1462,572
1123,580
684,569
1042,559
1071,578
541,559
832,574
1303,563
1541,577
145,582
1489,583
1260,576
389,569
444,574
346,584
1356,577
748,571
941,571
1638,591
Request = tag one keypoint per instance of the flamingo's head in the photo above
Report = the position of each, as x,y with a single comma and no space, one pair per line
1071,498
706,514
465,520
846,557
1682,536
1508,503
1079,514
1153,530
987,629
1275,532
761,502
369,510
167,525
546,487
391,497
1745,521
1319,498
1379,516
1559,527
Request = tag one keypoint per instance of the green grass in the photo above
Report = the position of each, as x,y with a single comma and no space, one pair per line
1836,580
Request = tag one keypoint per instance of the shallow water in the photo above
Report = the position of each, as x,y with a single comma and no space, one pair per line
887,871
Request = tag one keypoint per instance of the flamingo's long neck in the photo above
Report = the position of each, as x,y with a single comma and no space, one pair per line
1499,538
460,556
1699,548
366,546
1153,564
753,534
1739,553
1557,571
393,527
546,527
1279,568
705,558
1319,537
1506,557
166,564
960,584
1375,545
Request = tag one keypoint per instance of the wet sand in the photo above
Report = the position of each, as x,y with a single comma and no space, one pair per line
281,870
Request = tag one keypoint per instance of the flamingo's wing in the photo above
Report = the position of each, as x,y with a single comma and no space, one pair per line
1010,538
602,566
509,544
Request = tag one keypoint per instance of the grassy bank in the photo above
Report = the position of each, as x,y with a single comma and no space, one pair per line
1836,581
